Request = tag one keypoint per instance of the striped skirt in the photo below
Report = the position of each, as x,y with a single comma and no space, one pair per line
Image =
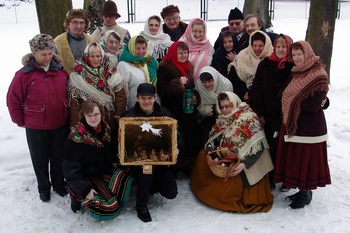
112,194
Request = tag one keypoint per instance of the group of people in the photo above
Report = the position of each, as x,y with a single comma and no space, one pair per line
255,93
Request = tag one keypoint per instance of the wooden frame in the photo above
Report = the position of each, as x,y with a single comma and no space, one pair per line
147,141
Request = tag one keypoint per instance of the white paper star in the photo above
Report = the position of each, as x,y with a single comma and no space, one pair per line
146,126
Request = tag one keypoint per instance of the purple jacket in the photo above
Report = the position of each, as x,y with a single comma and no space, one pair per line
37,99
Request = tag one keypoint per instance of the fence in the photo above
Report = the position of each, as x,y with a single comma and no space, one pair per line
24,11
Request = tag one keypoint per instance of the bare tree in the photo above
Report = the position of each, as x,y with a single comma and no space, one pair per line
320,30
259,7
93,9
51,15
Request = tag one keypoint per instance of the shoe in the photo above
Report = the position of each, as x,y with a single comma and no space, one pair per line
75,205
293,196
61,191
45,197
304,199
284,188
273,186
143,214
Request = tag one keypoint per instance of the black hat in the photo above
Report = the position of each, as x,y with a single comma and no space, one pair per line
110,9
146,89
235,14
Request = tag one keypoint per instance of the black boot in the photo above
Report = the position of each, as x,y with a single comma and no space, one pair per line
75,205
302,200
293,196
143,213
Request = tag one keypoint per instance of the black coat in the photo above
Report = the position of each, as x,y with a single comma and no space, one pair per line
82,161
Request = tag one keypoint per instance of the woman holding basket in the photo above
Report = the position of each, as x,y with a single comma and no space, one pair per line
246,187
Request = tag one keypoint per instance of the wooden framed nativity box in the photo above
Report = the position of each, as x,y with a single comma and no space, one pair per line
147,141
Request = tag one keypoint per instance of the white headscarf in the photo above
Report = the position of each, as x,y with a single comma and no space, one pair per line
157,44
221,84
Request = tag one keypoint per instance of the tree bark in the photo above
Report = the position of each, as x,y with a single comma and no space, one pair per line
93,9
259,7
320,30
51,15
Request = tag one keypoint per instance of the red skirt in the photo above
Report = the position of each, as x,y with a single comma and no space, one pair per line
301,165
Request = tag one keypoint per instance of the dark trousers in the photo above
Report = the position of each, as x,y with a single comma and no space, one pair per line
161,180
46,148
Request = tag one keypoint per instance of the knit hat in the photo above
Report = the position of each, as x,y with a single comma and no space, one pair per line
235,14
76,13
110,9
146,89
41,42
171,9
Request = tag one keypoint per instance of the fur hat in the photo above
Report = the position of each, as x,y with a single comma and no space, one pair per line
110,9
41,42
171,9
235,14
76,13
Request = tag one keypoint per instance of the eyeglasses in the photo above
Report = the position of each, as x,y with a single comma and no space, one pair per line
172,19
182,53
76,23
225,106
92,115
237,23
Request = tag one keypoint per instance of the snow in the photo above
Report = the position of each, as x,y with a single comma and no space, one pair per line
22,210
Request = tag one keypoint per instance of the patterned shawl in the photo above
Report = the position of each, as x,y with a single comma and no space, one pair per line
221,84
157,44
97,83
201,52
80,134
240,131
147,63
273,56
307,79
246,62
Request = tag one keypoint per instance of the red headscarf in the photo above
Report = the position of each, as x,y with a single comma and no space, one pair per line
273,56
172,57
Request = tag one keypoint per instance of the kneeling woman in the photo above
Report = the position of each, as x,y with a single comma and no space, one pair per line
247,190
88,169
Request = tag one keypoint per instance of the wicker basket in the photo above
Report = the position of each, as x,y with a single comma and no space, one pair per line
217,169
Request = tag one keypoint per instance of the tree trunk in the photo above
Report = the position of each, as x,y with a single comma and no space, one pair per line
93,9
51,15
320,30
259,7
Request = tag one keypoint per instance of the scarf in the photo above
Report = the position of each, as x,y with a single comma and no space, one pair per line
240,131
172,57
221,84
273,56
80,134
157,44
113,57
147,62
307,79
97,83
200,52
246,62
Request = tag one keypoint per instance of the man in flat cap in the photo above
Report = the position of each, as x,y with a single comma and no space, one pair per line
172,24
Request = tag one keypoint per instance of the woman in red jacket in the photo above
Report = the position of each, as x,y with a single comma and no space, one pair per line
37,101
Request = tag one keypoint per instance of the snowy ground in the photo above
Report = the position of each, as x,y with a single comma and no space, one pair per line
22,210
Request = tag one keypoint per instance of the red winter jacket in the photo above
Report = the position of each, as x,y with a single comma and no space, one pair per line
37,99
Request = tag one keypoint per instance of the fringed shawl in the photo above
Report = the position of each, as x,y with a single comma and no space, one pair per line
221,84
200,52
157,44
147,62
307,79
246,62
